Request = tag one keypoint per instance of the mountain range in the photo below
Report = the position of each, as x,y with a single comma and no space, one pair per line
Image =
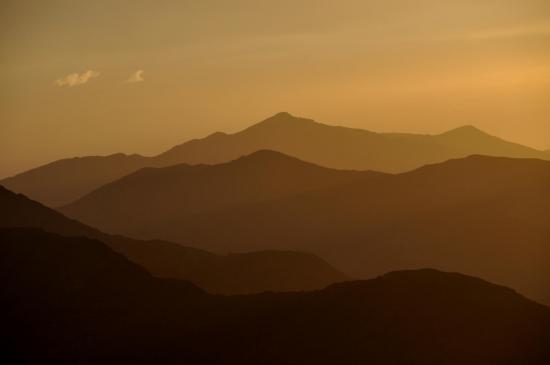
70,300
480,215
214,251
63,181
139,203
239,273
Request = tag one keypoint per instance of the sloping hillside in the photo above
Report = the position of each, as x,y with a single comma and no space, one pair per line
230,274
100,308
484,216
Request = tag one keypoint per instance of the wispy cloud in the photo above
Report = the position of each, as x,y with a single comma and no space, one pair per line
136,76
512,32
75,79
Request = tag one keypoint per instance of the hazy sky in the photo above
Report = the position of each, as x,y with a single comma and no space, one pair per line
105,76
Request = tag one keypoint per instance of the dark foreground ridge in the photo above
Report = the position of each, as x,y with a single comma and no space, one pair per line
69,300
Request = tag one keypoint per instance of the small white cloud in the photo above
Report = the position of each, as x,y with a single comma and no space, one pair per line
75,79
136,76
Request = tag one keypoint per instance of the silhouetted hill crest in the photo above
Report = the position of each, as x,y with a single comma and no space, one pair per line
281,122
431,280
175,193
228,274
266,157
451,214
486,163
62,182
261,159
466,130
82,314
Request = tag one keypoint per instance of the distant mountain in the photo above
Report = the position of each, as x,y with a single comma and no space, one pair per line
98,308
138,204
344,148
64,181
485,216
229,274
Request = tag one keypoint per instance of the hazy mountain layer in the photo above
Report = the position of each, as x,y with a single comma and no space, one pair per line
484,216
72,300
64,181
231,274
143,201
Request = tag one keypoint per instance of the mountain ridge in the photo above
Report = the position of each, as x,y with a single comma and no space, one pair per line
447,215
63,181
75,311
226,274
175,192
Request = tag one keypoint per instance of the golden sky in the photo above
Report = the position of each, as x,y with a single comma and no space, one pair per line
106,76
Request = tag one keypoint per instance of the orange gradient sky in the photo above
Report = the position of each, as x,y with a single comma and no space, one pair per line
136,76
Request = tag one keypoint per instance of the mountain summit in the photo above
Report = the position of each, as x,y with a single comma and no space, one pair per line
64,181
282,120
465,131
139,204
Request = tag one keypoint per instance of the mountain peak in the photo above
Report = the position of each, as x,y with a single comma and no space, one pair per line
465,130
282,115
268,156
282,119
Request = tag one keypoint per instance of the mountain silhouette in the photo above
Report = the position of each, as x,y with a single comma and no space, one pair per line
73,300
485,216
139,203
228,274
344,148
61,182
